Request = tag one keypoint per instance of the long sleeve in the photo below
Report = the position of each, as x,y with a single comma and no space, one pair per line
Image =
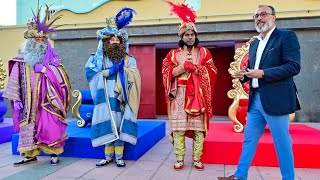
208,75
167,68
12,90
290,58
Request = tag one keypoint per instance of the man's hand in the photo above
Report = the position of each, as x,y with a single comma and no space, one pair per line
55,62
17,105
189,66
38,68
238,74
254,73
113,69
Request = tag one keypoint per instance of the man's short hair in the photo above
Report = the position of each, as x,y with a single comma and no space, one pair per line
273,11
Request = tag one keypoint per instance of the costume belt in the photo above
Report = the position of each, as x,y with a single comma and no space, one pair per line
182,82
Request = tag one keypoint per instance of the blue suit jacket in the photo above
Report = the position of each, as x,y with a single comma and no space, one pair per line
280,61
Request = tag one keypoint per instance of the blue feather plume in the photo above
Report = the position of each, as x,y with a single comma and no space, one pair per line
124,17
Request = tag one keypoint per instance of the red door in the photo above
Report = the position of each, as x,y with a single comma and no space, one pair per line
160,98
146,62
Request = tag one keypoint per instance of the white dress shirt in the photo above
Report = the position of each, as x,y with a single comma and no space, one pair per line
260,49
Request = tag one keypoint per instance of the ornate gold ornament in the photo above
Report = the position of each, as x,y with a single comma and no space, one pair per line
3,75
237,92
75,108
111,22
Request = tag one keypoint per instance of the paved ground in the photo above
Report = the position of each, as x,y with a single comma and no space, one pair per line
156,164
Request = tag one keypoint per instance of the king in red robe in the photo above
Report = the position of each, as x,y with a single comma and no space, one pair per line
189,75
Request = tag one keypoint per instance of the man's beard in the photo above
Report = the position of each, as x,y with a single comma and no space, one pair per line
188,46
115,52
265,26
33,53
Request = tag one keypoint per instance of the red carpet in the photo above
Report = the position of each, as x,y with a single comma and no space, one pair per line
223,146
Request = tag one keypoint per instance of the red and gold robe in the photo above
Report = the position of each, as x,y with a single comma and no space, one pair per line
189,95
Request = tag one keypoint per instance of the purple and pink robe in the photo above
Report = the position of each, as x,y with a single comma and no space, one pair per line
45,98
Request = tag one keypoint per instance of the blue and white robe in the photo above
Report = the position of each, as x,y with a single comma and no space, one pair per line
116,100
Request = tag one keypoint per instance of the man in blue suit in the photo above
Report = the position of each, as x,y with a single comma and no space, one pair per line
274,58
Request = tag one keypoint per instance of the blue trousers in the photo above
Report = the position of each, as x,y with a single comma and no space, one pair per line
255,126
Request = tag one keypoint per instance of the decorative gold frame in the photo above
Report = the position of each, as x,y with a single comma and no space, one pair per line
238,92
75,108
3,75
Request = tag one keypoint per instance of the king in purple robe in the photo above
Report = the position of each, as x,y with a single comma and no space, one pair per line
38,88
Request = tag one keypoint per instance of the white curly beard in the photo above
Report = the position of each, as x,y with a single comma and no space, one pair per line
33,53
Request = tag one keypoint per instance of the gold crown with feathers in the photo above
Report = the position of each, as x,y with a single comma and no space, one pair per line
38,28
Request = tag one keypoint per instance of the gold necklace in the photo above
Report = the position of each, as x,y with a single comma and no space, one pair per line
189,56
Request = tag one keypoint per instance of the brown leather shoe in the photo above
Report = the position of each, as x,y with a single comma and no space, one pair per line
232,177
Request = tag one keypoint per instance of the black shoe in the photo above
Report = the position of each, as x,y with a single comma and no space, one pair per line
26,160
120,163
104,162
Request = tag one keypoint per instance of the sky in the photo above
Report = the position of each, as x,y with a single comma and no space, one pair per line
7,12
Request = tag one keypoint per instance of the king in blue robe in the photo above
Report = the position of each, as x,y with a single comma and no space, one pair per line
115,86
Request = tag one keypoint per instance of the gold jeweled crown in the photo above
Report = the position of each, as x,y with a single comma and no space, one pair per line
40,28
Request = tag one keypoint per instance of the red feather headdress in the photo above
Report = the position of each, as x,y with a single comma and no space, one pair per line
186,14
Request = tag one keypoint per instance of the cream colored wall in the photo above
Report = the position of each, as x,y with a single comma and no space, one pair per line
156,11
234,10
11,40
